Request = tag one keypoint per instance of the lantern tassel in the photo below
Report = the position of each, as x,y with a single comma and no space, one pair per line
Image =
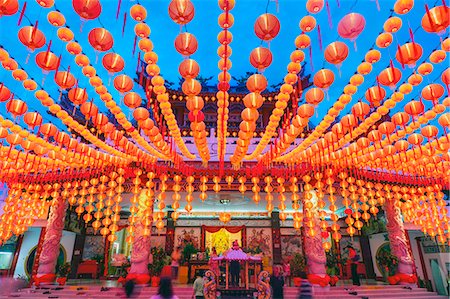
134,45
310,59
319,36
22,13
124,23
118,9
330,20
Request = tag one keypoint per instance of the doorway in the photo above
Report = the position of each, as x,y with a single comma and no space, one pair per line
437,277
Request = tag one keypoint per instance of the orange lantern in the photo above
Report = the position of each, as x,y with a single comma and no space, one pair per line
256,83
436,20
307,23
400,119
390,76
191,87
364,68
384,40
253,100
9,64
267,27
77,96
19,75
31,37
305,111
16,107
100,39
123,83
324,78
56,18
142,30
415,79
314,96
409,54
444,120
373,56
260,58
100,120
375,95
132,100
402,7
47,61
297,56
113,63
393,24
225,20
225,37
425,68
138,12
433,92
82,60
445,77
73,48
87,9
65,34
29,84
32,119
336,53
438,56
186,44
314,6
189,69
181,11
8,7
46,3
302,41
145,45
5,93
150,57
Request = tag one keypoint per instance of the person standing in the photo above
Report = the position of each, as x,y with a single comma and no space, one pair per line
277,283
235,267
198,287
214,264
305,287
165,290
176,256
354,257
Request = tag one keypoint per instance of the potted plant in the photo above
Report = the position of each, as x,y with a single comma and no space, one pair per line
155,268
63,272
332,268
298,265
186,254
387,262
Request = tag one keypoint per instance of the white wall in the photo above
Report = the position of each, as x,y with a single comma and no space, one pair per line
30,240
68,242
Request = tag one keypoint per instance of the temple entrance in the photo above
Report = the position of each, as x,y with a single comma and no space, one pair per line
221,240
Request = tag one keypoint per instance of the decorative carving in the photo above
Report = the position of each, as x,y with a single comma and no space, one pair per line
210,285
50,247
315,254
397,238
263,288
140,252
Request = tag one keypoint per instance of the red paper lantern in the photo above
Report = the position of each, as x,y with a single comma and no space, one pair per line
400,119
16,107
123,83
5,93
336,52
256,83
32,119
444,120
314,96
56,18
436,20
64,80
87,9
351,25
47,61
8,7
414,108
132,100
181,11
140,114
225,20
390,76
384,40
261,58
89,109
31,37
324,78
189,69
433,92
360,110
408,54
305,111
267,27
302,41
73,48
113,63
138,12
425,68
375,95
99,120
186,44
142,30
100,39
78,96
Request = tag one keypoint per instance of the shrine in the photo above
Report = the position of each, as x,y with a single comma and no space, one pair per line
237,148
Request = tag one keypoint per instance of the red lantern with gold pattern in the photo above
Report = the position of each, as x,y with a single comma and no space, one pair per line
189,69
267,27
123,83
16,107
375,95
261,58
324,78
8,7
47,61
132,100
186,44
432,92
113,63
408,54
87,9
5,93
31,37
181,11
32,119
390,76
436,20
65,80
100,39
314,96
78,95
336,52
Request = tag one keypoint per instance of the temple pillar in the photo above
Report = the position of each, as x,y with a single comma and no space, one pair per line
399,245
140,250
50,246
276,238
315,253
